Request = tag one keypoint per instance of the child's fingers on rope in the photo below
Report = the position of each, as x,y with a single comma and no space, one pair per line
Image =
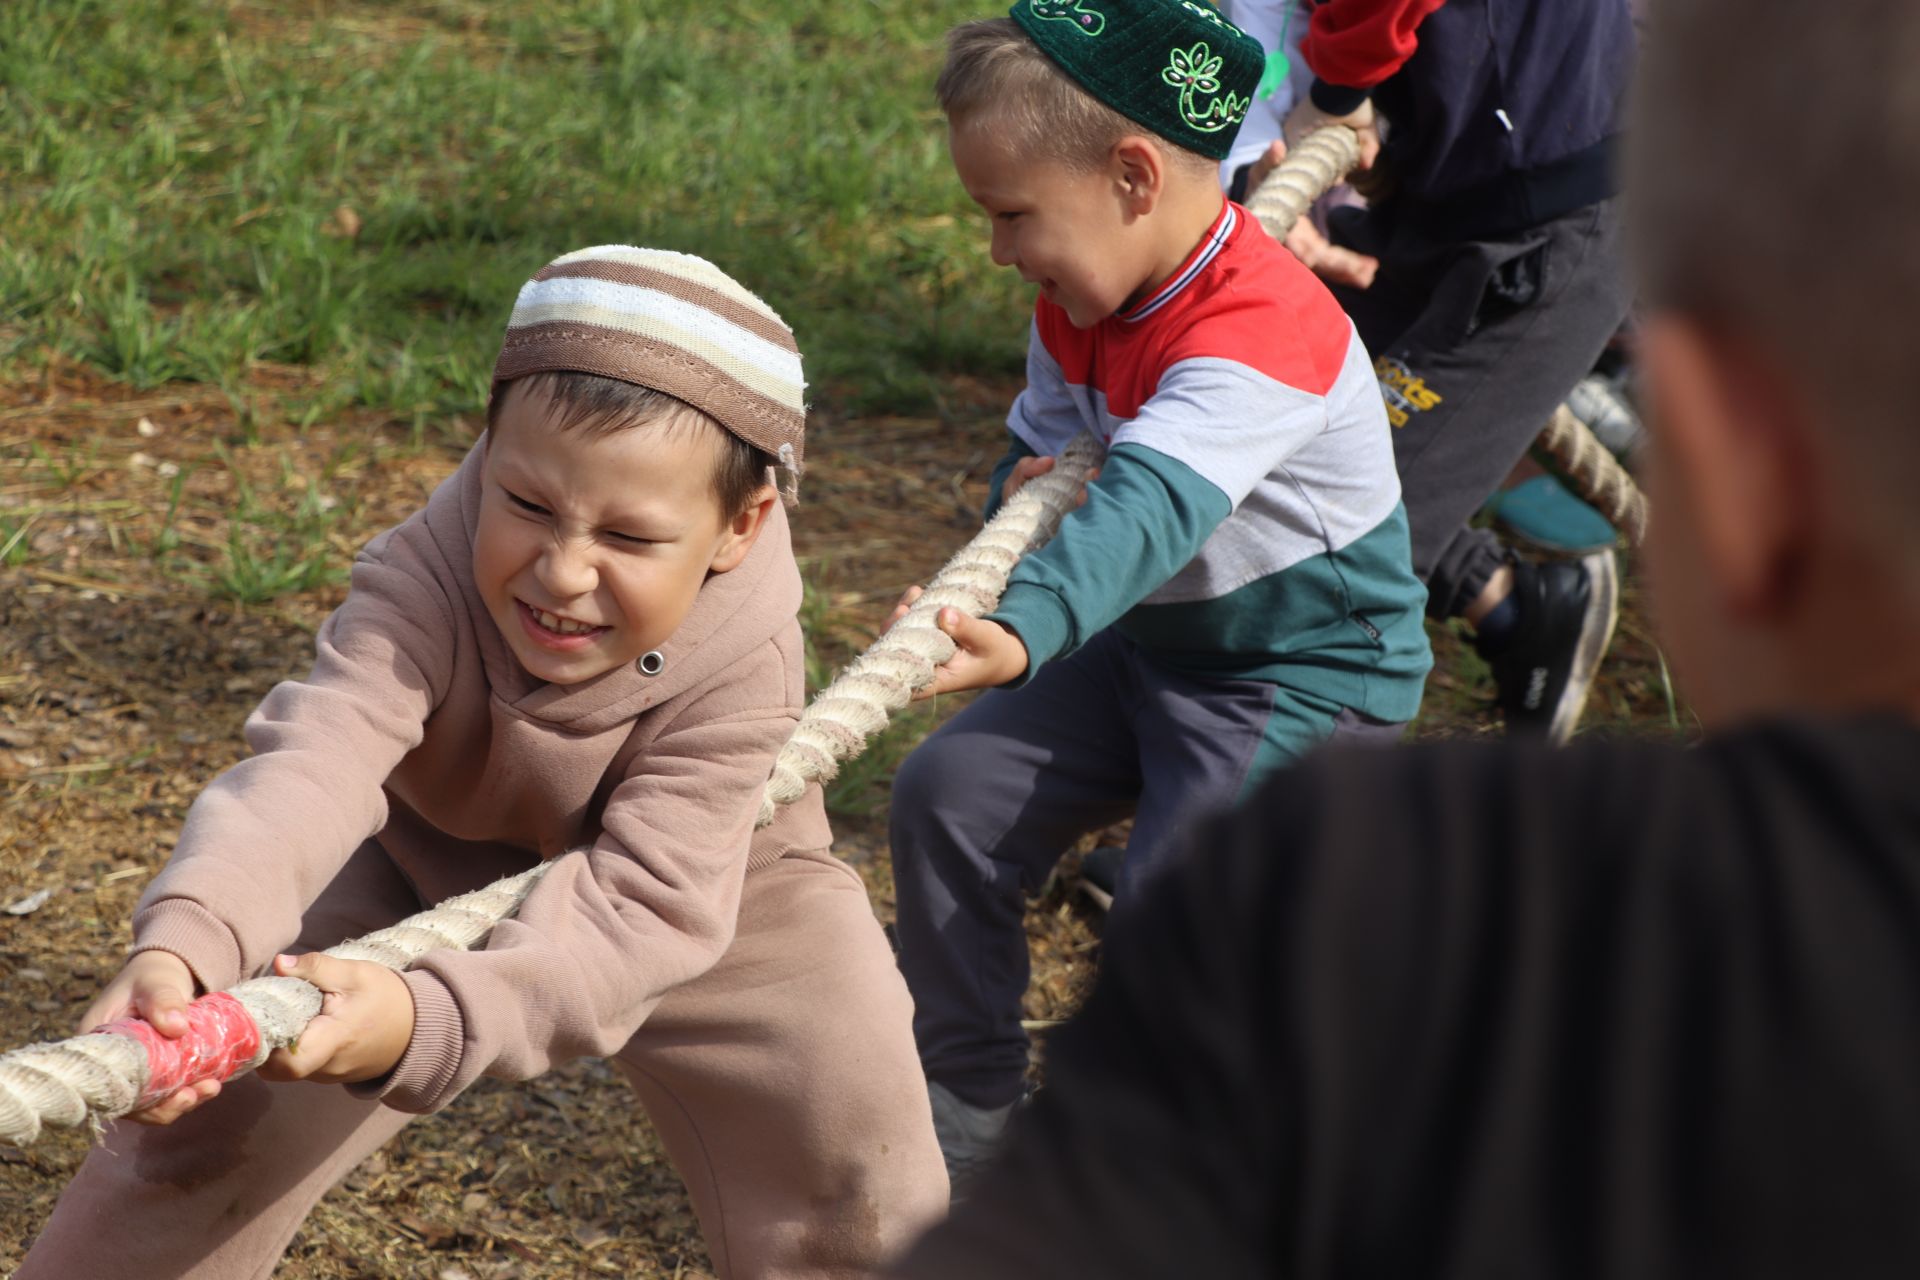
1328,260
987,654
177,1103
1023,471
1341,265
155,986
365,1022
906,602
1027,468
1305,118
1269,161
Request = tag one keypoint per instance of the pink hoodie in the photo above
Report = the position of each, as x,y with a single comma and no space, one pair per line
417,726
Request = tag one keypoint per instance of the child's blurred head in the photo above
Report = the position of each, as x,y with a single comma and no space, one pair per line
1775,196
1090,131
641,404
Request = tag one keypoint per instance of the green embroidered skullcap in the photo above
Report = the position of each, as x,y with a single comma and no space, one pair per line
1175,66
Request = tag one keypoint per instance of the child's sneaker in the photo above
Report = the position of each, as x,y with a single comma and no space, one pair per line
1567,610
969,1136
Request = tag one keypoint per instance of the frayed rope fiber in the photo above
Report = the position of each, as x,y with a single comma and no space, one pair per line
851,710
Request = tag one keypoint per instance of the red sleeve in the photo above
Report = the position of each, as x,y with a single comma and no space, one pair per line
1359,43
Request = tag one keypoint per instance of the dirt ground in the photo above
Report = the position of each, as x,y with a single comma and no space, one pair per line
125,676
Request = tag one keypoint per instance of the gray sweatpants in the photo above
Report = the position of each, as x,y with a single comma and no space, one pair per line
986,806
1475,343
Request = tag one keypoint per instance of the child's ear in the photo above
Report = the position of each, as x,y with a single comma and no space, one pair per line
744,530
1733,463
1139,172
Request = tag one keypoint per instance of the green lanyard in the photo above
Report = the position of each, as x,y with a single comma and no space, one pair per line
1277,64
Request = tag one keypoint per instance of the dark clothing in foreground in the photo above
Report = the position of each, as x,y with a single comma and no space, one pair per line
1621,1010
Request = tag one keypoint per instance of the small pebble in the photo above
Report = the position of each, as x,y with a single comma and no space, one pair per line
31,903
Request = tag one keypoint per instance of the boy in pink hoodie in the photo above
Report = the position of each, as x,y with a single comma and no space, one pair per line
585,644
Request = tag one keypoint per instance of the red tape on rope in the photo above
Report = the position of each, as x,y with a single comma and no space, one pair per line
221,1036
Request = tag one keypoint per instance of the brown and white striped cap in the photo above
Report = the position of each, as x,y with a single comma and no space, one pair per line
669,321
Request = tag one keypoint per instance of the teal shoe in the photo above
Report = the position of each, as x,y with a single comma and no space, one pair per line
1541,513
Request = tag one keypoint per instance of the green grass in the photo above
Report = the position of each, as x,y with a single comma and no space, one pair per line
14,548
292,538
70,468
266,561
272,551
172,172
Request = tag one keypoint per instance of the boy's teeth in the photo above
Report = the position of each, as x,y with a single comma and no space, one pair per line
565,626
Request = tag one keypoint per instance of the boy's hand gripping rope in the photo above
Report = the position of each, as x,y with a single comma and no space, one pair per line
900,663
1596,474
127,1065
1323,158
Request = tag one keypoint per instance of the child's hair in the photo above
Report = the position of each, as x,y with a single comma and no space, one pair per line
994,73
1775,192
601,406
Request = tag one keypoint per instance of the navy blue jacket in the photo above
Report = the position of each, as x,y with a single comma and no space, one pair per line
1503,112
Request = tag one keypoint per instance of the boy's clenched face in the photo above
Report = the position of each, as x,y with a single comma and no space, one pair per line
1064,229
591,547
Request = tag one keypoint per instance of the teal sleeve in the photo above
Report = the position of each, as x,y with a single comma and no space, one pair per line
1016,450
1145,519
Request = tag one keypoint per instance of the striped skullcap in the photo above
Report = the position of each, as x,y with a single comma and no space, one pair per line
669,321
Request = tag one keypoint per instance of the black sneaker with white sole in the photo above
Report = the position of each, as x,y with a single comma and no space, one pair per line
1544,670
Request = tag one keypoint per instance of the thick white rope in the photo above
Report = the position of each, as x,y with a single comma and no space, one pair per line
856,705
95,1077
1311,169
1324,157
1596,473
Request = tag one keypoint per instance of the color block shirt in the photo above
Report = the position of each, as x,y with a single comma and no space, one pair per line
1247,521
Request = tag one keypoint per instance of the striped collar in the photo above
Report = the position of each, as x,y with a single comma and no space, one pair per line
1205,252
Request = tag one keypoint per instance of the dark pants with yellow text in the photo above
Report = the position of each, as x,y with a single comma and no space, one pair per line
1475,343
